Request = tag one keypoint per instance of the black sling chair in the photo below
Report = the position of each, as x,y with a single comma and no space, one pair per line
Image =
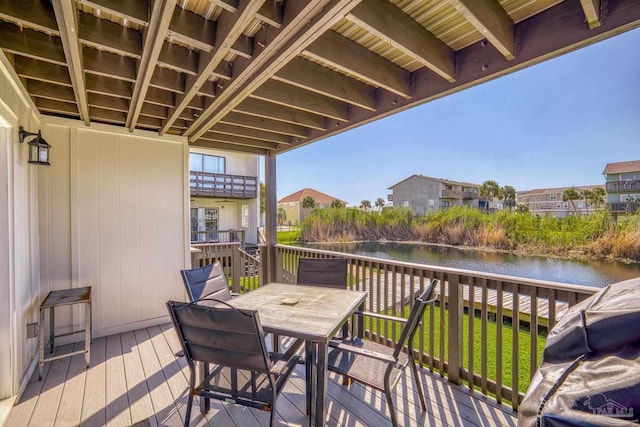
232,340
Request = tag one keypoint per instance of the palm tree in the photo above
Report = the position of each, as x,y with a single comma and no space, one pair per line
308,202
571,195
509,196
365,204
598,197
379,203
336,203
282,215
490,190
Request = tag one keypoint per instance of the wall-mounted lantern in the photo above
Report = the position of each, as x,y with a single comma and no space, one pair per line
38,147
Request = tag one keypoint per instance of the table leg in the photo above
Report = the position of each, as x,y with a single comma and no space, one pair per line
205,402
322,354
87,333
52,327
308,349
41,345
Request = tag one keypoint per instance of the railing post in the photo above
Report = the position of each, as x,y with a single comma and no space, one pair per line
195,255
262,270
455,330
236,261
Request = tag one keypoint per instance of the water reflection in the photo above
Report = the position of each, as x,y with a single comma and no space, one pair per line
580,272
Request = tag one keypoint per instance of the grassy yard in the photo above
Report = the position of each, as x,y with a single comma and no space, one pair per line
524,345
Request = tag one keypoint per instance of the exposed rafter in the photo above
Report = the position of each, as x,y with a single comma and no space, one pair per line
390,24
490,19
591,12
153,40
66,16
229,28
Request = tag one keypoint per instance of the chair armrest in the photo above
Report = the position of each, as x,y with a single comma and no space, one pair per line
380,316
283,359
362,351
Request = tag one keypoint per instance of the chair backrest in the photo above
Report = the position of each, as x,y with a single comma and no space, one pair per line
206,282
415,317
220,335
328,272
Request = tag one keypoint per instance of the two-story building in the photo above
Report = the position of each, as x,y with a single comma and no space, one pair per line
424,194
224,195
292,204
548,201
623,186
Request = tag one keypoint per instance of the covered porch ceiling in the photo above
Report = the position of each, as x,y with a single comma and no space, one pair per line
266,76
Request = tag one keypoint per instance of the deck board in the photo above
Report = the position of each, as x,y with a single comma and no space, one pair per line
135,379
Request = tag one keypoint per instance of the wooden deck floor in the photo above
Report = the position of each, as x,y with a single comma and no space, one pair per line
135,379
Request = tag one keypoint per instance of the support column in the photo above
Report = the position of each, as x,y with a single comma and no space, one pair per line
271,216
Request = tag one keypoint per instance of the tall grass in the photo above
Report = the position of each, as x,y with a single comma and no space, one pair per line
594,235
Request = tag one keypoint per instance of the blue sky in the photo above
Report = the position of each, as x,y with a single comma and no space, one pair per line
555,124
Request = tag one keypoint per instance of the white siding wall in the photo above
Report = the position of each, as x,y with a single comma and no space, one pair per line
114,206
19,262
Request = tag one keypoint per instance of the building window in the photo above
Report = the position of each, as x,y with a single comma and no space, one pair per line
206,163
245,216
204,224
552,197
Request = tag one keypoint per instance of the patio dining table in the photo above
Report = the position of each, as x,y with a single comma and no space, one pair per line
312,313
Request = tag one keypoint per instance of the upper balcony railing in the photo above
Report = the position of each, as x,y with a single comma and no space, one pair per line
470,195
452,194
624,207
204,184
619,186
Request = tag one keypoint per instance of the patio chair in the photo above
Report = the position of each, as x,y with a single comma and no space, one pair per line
378,366
208,282
232,340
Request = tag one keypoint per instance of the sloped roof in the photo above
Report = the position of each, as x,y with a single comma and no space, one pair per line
622,167
443,180
556,190
318,196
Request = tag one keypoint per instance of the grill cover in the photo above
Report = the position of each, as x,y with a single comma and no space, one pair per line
590,369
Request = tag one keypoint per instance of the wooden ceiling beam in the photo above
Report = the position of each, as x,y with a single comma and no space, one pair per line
52,106
153,110
591,10
205,143
236,140
135,11
32,69
109,64
50,91
228,5
268,110
160,97
31,43
261,123
178,58
108,102
107,116
243,132
108,86
102,34
352,59
392,25
149,122
153,36
324,81
228,28
293,97
34,14
164,78
271,13
303,22
491,20
192,29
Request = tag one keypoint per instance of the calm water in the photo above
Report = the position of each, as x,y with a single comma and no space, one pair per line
579,272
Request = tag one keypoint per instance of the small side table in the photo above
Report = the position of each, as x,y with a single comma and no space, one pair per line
59,299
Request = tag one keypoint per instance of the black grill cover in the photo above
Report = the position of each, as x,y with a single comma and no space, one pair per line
590,369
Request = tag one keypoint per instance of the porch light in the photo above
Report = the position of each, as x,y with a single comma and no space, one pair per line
38,147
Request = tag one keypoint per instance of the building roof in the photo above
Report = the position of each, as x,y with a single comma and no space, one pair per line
431,178
556,190
622,167
319,197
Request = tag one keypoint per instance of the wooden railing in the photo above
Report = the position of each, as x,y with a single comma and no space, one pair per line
617,186
452,342
219,236
626,207
206,184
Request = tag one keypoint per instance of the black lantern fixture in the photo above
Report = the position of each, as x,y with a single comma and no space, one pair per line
38,147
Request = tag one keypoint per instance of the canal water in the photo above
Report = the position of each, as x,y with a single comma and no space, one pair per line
578,272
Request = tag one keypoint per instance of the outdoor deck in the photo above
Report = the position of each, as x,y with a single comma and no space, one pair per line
135,379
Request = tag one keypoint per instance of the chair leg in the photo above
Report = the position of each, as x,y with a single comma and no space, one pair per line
392,411
416,377
187,416
272,422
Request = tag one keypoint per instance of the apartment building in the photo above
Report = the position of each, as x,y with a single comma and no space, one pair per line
622,180
292,204
424,194
548,201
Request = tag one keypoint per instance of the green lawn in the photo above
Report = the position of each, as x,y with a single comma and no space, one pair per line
524,346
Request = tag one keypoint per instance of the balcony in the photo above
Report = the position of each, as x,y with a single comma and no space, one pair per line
623,186
452,194
204,184
623,207
135,378
470,195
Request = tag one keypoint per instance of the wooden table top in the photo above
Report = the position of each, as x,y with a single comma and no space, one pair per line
66,297
316,316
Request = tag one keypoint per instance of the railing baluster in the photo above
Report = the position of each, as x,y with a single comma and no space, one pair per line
471,317
455,336
499,307
484,334
515,353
